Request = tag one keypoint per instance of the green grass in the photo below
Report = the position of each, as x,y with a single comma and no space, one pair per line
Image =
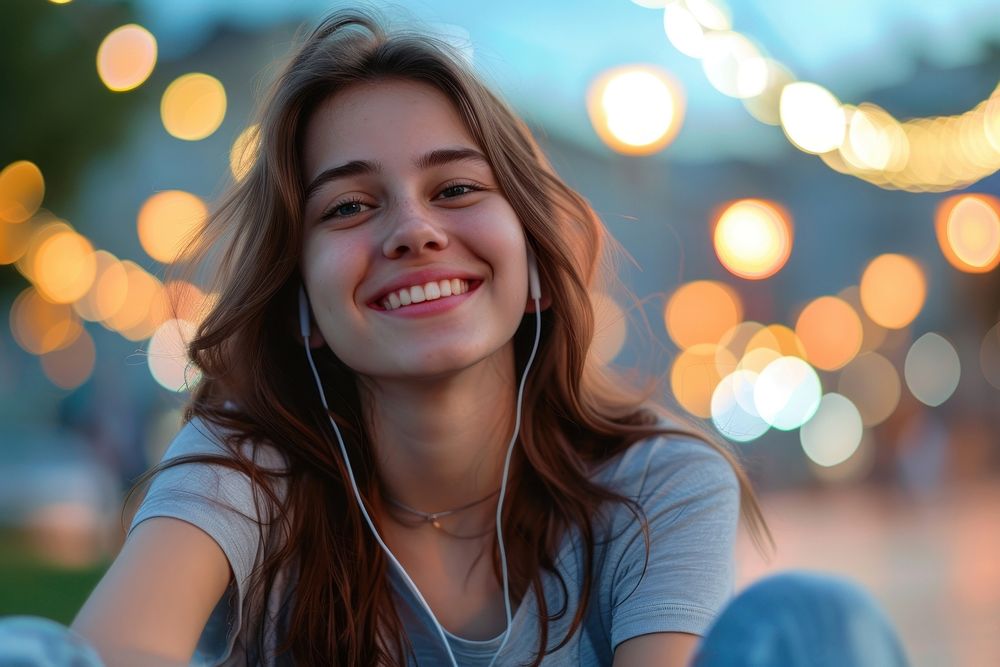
30,586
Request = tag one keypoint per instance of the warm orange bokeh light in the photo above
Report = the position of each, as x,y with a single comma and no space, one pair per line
893,289
968,231
830,332
167,221
873,335
193,106
14,240
702,312
64,267
39,235
753,238
144,294
71,366
636,109
780,339
126,57
40,326
21,191
695,374
107,293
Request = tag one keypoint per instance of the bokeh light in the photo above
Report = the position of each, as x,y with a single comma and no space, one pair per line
787,393
701,312
811,117
834,432
14,240
193,106
733,343
167,355
733,412
968,231
830,332
712,14
753,238
610,328
107,292
694,376
733,65
40,233
167,221
893,289
872,335
766,105
71,366
683,30
64,267
780,339
244,152
932,369
126,57
636,109
143,292
22,189
989,356
871,382
40,326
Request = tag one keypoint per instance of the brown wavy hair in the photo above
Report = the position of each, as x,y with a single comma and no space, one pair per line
256,385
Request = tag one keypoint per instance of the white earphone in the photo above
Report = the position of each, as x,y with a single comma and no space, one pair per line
535,291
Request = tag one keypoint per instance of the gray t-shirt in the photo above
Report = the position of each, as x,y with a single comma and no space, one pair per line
687,489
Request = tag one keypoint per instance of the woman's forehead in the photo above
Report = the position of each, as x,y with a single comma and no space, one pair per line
386,120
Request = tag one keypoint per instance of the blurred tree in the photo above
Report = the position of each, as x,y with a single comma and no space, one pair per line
55,111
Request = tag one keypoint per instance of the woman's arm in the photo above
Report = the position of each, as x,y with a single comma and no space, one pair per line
657,649
153,603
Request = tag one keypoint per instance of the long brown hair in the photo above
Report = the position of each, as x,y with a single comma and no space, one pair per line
256,387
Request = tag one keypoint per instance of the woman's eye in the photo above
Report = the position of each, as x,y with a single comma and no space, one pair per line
457,190
343,210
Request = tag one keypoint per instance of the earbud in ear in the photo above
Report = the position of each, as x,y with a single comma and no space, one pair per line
534,284
303,312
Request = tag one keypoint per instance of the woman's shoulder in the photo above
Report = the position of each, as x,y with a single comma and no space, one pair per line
677,459
198,436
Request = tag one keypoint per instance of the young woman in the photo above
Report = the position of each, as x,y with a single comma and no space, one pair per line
401,450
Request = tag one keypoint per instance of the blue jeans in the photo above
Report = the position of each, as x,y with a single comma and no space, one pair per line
792,619
802,619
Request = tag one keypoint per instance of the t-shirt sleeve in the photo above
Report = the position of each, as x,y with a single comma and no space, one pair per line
690,495
220,501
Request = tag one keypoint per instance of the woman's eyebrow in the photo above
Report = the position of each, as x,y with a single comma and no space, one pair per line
441,156
352,168
435,158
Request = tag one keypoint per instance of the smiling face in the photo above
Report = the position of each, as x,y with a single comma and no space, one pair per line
414,261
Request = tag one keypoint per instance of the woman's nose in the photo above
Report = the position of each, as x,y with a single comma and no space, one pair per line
414,230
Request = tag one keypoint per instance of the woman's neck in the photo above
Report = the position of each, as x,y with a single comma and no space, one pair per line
441,444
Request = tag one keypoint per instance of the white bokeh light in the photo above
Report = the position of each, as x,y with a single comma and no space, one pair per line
167,355
730,413
932,369
834,432
787,393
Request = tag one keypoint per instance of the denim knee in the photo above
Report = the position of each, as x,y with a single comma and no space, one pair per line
802,618
33,641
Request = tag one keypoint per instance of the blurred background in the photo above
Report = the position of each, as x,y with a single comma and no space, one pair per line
806,194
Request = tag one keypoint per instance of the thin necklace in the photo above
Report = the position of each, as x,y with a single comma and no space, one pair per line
432,517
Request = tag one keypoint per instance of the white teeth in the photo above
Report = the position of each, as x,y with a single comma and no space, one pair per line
427,292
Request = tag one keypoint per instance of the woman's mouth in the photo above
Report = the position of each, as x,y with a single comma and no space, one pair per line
430,291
